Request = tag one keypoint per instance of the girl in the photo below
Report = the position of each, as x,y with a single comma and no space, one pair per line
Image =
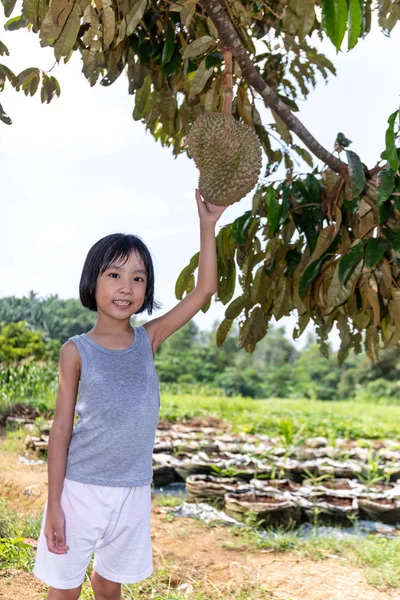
100,471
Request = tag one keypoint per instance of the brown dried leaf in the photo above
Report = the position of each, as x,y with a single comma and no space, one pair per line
394,310
325,239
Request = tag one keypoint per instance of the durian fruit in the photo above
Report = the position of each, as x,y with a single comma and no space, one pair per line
228,156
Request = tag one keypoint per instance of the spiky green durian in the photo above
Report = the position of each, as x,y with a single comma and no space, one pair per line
228,156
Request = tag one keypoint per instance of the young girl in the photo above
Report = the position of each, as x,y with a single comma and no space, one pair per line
100,471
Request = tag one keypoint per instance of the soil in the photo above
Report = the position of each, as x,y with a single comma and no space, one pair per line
337,485
196,553
335,500
257,499
286,486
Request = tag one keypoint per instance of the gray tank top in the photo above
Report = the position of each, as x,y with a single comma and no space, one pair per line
119,399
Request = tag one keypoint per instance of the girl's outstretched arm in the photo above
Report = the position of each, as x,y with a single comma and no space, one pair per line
162,327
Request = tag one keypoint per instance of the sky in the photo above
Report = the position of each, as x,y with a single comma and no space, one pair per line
81,168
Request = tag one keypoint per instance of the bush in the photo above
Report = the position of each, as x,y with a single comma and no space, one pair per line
380,391
29,383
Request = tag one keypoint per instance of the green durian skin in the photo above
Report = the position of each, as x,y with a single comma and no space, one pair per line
228,155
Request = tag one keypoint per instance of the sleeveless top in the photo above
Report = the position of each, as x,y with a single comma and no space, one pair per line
117,408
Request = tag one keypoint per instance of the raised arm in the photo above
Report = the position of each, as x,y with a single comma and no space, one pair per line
162,327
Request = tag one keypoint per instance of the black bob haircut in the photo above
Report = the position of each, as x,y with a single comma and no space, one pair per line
115,248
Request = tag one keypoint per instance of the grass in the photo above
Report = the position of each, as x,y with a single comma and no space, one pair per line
15,439
168,501
309,417
378,556
302,418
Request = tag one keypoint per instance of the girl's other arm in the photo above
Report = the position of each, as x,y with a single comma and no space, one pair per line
162,327
59,439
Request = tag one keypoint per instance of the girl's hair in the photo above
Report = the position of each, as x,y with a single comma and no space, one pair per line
114,248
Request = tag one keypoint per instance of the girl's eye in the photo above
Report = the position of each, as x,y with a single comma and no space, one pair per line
112,274
139,279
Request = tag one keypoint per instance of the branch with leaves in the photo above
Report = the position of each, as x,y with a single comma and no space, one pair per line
324,244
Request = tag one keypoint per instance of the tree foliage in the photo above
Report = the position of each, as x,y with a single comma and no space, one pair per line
18,343
57,319
323,245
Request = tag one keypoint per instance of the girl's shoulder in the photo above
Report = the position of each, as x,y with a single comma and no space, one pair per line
69,355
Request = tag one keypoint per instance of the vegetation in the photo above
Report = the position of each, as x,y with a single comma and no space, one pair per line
306,417
188,362
323,243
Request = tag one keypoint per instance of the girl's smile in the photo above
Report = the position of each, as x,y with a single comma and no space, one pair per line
123,304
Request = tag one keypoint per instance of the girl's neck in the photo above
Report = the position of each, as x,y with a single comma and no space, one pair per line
111,327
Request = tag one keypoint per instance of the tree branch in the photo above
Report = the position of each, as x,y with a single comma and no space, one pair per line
230,40
228,85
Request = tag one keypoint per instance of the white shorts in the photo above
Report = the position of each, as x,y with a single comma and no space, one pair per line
114,522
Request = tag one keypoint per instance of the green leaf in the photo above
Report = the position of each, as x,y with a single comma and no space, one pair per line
386,182
226,285
239,227
328,18
200,79
308,277
292,258
390,139
35,11
142,97
235,308
274,210
4,116
349,261
385,212
169,45
134,15
187,13
357,174
305,155
214,60
27,75
185,276
16,23
342,140
341,11
9,6
5,72
334,20
223,331
313,187
198,47
206,306
375,249
355,21
50,88
393,235
4,50
69,34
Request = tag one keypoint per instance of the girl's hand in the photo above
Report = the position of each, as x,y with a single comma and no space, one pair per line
54,530
208,213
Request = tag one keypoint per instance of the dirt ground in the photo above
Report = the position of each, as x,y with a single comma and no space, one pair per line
195,553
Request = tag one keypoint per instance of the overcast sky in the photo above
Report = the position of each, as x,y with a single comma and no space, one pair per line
81,168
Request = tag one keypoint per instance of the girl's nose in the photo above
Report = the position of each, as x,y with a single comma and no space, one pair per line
125,287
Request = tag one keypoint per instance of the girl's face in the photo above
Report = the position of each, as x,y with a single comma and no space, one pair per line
121,289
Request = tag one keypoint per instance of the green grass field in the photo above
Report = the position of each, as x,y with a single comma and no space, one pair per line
309,417
346,419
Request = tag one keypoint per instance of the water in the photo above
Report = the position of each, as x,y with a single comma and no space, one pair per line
177,488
